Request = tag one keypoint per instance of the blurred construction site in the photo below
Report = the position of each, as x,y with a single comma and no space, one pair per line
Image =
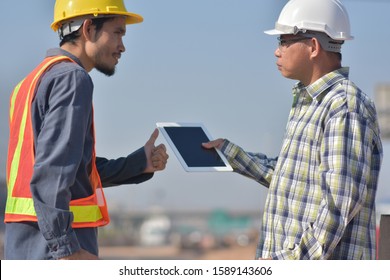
161,235
190,235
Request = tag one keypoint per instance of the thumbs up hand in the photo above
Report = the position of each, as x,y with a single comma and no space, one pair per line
156,156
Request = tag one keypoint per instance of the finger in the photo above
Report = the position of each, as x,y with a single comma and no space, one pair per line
153,137
160,150
160,147
208,145
213,144
159,164
160,157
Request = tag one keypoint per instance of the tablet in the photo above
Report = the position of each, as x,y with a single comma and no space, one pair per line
185,139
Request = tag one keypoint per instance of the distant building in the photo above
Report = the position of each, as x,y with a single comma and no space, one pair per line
382,103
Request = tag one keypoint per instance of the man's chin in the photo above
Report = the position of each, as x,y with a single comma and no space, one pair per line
106,71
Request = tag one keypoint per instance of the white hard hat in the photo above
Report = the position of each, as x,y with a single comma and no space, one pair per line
327,16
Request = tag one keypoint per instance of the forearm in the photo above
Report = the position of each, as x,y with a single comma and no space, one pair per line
253,165
124,170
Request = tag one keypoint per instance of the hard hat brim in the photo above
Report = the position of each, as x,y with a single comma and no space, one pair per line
131,18
273,32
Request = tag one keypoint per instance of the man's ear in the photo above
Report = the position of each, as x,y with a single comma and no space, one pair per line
315,47
88,30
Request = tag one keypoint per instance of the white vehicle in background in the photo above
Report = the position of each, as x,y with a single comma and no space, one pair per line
155,230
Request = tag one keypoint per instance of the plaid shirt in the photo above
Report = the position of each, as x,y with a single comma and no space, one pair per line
322,186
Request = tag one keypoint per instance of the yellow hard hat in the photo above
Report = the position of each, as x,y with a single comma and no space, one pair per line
68,9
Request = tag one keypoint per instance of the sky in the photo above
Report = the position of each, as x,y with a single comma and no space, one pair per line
203,61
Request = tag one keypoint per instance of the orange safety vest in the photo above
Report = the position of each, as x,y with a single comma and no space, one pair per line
90,211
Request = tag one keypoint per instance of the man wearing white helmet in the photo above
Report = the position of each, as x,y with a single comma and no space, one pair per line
55,200
322,186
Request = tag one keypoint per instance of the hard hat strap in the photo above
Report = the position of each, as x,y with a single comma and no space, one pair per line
326,42
70,27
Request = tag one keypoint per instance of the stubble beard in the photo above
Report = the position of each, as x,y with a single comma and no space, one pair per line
103,67
108,71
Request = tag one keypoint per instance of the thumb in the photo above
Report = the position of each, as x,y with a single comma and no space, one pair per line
153,137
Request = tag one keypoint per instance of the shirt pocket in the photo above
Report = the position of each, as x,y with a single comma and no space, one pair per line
300,155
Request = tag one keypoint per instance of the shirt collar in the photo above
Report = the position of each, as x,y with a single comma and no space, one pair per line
59,51
316,89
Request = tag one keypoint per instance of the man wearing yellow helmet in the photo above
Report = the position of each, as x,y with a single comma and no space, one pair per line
55,181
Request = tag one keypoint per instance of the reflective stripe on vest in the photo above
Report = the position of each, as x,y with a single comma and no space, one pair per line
90,211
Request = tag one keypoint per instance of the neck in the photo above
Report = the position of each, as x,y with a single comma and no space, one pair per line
79,52
323,66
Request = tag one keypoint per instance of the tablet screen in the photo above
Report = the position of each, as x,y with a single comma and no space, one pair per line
186,141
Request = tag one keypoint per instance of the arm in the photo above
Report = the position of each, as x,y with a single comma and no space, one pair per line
136,167
253,165
344,172
59,147
124,170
